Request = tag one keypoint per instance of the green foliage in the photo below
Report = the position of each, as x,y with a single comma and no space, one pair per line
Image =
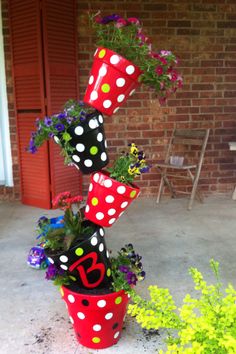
204,325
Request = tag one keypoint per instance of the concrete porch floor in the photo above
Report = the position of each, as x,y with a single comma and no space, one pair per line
33,318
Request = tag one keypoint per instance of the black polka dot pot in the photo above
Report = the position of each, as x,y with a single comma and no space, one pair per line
89,143
87,262
97,319
112,80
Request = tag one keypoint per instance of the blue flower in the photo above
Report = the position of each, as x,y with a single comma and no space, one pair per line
110,18
48,121
60,127
131,278
61,115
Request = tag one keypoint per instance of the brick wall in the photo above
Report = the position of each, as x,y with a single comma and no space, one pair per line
8,193
203,35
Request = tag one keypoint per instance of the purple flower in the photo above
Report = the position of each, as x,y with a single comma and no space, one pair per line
124,269
48,121
144,169
32,148
81,103
109,18
50,135
60,127
61,115
131,278
69,120
52,272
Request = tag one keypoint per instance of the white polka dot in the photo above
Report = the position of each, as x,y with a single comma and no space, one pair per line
109,199
107,104
109,315
79,130
97,327
76,158
111,211
121,190
87,208
94,241
93,96
99,137
103,71
93,123
130,69
96,177
131,92
99,216
64,267
111,221
76,166
63,259
96,51
91,79
56,139
124,205
100,118
103,156
108,183
128,295
71,299
80,147
90,187
101,303
88,163
120,98
116,334
114,59
51,260
121,214
101,247
81,315
71,320
105,144
115,110
120,82
101,231
108,254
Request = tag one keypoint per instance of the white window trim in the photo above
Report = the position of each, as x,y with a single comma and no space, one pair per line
6,176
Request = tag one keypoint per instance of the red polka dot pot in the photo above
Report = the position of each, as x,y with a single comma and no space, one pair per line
97,319
108,199
89,143
87,262
112,80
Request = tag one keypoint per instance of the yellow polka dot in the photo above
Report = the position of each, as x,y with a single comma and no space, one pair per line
93,150
72,278
94,201
108,272
79,251
96,340
133,194
102,53
61,291
118,300
105,88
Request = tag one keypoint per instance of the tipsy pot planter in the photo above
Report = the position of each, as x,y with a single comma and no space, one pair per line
89,143
108,199
112,80
87,261
97,319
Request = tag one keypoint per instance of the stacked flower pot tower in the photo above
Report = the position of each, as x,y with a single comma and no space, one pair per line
98,319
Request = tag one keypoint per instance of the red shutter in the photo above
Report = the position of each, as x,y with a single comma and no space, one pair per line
43,37
29,99
60,57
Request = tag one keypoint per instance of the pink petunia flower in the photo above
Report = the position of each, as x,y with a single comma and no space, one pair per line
134,20
159,70
121,22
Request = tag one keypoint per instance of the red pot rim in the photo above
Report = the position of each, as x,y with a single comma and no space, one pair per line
123,60
115,184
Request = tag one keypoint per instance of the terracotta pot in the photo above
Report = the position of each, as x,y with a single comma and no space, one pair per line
97,319
87,261
89,142
112,80
108,199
